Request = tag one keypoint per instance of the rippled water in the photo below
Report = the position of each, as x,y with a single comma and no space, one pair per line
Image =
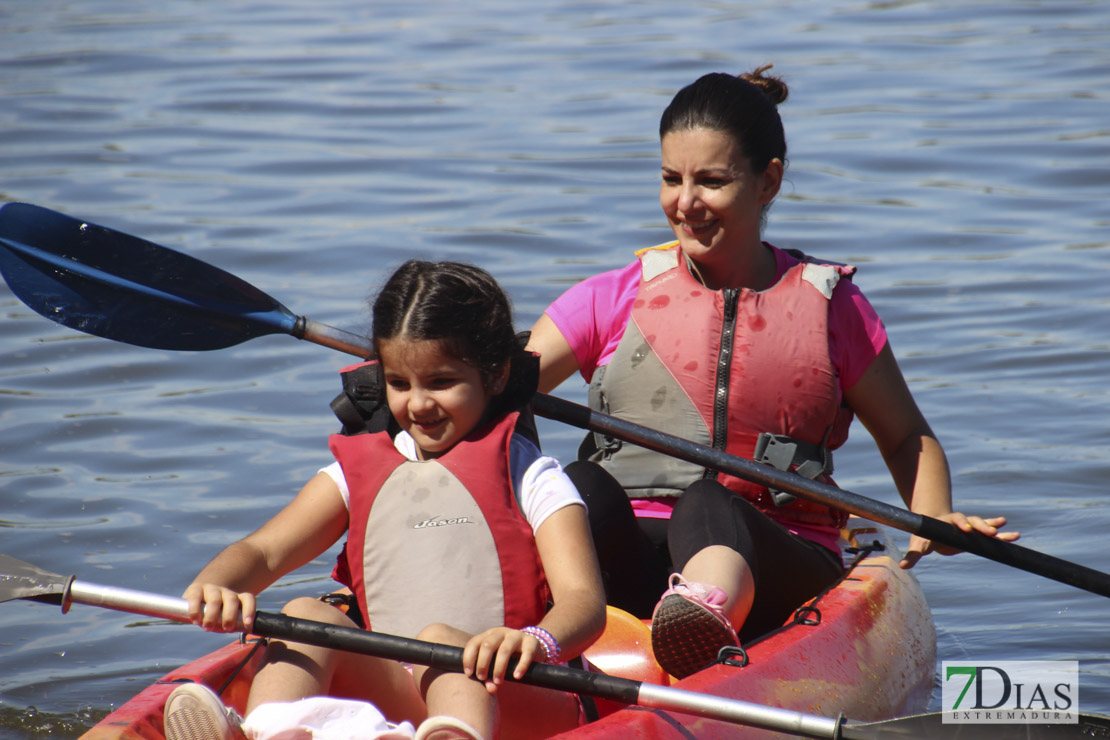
956,151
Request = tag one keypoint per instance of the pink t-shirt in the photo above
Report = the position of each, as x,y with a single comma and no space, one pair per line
593,314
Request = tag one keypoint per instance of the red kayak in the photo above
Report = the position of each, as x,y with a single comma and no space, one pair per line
865,649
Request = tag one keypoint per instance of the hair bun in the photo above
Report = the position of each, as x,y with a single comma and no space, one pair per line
773,87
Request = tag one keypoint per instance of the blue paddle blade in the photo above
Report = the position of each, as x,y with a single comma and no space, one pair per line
120,287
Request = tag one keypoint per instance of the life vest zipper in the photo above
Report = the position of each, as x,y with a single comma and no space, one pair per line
724,363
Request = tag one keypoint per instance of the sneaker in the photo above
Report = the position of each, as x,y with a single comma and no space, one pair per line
689,627
444,727
194,712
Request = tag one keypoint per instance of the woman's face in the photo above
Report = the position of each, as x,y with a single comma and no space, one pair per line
712,199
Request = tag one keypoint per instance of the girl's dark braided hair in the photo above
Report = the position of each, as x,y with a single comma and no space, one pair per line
462,307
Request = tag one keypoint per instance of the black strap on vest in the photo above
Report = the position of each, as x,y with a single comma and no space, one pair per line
361,407
524,378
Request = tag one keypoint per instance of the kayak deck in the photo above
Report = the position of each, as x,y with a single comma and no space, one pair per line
867,650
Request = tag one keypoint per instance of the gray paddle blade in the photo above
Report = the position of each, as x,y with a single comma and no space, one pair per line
20,580
931,726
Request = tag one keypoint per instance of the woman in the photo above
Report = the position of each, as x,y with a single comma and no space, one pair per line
725,339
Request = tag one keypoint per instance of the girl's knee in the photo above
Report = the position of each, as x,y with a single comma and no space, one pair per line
444,634
306,607
433,633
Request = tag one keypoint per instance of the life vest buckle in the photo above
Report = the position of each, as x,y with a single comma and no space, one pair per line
786,453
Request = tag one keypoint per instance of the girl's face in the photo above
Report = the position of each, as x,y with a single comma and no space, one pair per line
712,199
436,398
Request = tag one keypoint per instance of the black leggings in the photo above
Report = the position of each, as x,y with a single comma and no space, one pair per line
638,555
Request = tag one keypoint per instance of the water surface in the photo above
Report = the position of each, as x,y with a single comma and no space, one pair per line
957,152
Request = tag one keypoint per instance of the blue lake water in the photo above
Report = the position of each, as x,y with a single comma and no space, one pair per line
957,152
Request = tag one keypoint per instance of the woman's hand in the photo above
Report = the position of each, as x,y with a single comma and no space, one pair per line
919,546
220,609
486,656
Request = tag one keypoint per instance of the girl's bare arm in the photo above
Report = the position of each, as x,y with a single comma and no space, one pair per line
307,526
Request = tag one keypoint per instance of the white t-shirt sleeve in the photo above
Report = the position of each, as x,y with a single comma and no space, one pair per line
335,472
540,485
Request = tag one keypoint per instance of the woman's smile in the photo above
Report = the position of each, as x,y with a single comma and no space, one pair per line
697,228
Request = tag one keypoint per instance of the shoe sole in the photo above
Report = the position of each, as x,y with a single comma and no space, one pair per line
197,716
686,637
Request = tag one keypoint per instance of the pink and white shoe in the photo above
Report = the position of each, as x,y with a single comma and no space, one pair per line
689,627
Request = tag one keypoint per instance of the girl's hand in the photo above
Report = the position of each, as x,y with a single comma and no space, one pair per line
220,609
919,546
486,656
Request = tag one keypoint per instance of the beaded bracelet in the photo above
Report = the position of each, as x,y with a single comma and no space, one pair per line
548,643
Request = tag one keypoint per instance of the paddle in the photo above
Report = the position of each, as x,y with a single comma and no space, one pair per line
117,286
21,580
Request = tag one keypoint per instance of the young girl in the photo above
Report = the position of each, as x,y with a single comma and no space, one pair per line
459,532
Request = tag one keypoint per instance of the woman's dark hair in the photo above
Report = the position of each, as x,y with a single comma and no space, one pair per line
742,106
459,305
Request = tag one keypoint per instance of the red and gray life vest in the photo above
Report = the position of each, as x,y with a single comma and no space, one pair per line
428,536
740,370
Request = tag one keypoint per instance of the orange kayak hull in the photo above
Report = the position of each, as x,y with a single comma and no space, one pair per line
871,655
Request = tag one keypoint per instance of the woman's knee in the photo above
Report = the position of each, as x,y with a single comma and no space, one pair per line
707,515
710,502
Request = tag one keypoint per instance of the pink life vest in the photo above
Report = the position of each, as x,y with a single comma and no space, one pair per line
721,368
438,541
